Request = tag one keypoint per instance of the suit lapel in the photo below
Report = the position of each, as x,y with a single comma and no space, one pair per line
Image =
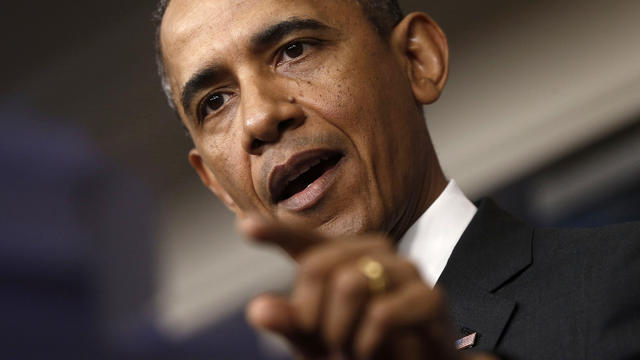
494,248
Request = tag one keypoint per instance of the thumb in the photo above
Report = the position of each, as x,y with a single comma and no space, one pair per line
276,314
273,313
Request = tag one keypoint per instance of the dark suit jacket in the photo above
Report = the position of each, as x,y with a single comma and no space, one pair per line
546,294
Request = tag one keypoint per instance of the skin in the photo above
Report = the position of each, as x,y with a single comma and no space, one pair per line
352,94
348,90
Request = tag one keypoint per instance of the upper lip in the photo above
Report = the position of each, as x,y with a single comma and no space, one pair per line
283,174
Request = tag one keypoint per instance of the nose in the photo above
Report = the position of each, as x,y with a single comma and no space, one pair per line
267,113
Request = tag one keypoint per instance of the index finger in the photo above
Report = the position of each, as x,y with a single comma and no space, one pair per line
295,241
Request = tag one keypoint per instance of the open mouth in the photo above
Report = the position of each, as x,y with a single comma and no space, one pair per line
303,173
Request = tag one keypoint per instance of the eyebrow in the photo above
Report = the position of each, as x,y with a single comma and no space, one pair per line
200,80
263,39
276,32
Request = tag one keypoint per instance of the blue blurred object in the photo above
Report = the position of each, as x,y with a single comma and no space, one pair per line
75,256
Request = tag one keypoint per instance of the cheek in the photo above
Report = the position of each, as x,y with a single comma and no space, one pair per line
350,101
232,171
340,94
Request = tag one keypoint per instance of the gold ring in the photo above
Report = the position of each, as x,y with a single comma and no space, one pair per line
374,271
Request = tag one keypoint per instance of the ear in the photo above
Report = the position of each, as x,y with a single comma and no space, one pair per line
422,45
209,180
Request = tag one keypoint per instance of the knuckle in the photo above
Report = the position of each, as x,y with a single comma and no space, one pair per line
422,295
312,269
409,268
437,302
381,242
438,297
381,315
348,283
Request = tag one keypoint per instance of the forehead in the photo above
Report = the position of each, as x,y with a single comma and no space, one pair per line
194,32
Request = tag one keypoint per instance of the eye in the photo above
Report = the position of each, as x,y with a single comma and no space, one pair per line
212,103
294,50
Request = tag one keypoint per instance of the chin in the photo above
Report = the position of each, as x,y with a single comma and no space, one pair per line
354,222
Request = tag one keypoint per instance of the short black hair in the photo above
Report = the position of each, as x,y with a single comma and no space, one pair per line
384,15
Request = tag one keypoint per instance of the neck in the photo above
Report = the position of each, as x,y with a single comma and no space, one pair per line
431,184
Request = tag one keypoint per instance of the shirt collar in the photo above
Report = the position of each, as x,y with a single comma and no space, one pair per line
431,239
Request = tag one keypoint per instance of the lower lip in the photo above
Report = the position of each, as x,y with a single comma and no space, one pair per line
313,193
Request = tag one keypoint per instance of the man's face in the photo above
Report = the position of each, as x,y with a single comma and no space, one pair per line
298,110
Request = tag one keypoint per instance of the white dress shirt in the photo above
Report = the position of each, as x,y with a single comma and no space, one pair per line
429,242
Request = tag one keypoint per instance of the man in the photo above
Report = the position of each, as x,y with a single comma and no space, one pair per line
307,121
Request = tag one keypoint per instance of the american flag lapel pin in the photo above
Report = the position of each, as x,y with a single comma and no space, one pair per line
466,342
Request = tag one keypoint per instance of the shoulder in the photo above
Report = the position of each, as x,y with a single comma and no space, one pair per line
605,241
608,260
626,230
606,255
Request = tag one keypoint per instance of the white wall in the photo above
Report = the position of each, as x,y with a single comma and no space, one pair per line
529,86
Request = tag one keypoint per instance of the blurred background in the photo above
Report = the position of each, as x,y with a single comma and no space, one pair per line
111,248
